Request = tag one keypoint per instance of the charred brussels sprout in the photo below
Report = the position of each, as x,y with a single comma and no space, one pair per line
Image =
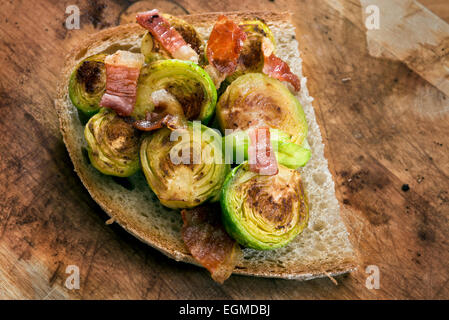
88,83
264,212
188,83
251,58
113,144
256,100
257,27
187,32
184,168
287,153
152,49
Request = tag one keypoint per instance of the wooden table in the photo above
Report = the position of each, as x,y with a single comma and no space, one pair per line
383,110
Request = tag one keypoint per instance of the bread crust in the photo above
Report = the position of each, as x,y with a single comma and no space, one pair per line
121,37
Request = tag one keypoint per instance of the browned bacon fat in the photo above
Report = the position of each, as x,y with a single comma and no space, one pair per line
154,121
276,67
169,38
261,156
167,112
122,72
208,242
224,45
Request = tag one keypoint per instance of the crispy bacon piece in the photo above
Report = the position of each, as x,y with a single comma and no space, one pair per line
276,67
154,121
208,242
224,45
260,152
169,38
122,72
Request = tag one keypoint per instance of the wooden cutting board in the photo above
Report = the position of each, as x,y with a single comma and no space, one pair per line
381,98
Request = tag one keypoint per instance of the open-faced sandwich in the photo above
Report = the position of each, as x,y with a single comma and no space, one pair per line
197,135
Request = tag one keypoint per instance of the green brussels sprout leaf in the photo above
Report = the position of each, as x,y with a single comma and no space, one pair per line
291,155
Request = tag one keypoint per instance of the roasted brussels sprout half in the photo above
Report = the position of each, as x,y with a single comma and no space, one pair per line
251,57
256,100
88,83
185,167
257,28
152,49
188,83
289,154
264,212
113,144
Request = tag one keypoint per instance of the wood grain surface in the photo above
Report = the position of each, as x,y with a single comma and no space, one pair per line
383,112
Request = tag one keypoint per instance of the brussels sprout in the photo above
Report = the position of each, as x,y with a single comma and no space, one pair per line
256,100
184,168
113,144
184,80
251,57
88,83
257,27
264,212
187,32
152,49
291,155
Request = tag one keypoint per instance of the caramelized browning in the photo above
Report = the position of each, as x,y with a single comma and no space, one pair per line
121,136
277,212
189,35
254,110
191,102
91,74
251,55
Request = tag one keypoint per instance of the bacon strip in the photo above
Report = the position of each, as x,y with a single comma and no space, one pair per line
169,38
209,243
224,45
261,156
122,72
276,67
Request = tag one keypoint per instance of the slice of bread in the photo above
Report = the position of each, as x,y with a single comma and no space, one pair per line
323,249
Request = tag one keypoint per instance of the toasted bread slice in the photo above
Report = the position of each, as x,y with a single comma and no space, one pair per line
322,249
